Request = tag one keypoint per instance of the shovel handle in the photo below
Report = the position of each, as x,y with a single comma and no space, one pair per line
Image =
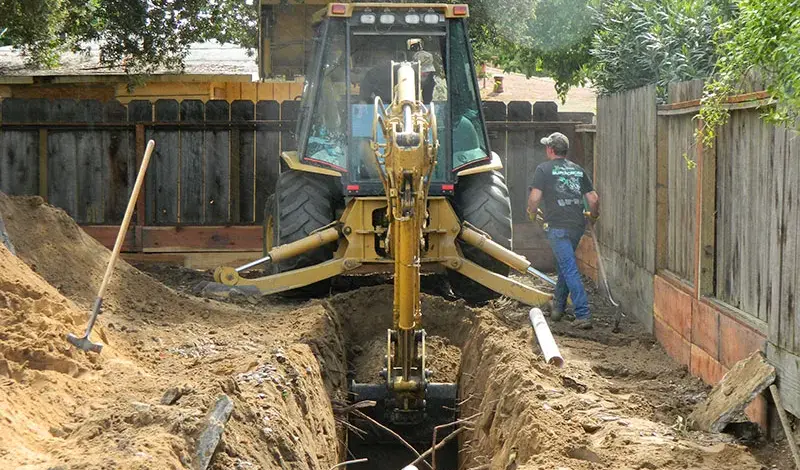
123,229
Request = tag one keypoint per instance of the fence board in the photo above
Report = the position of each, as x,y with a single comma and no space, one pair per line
19,162
62,159
162,191
268,148
217,165
625,165
192,154
119,163
89,154
789,337
747,188
244,111
289,112
495,111
682,190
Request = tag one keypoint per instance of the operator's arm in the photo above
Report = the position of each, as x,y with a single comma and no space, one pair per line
533,202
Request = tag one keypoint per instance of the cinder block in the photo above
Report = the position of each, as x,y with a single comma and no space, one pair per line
757,412
705,328
736,341
705,367
673,306
677,347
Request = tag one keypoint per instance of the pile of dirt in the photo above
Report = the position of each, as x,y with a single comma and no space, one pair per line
533,415
168,357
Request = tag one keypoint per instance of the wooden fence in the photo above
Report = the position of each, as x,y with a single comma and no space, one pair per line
214,165
625,177
722,248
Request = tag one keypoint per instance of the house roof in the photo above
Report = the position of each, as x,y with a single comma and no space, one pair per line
206,59
519,88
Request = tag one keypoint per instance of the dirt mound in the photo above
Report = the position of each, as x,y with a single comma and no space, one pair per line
34,321
531,415
66,408
55,247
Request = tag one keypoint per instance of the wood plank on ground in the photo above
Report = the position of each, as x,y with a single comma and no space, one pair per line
740,386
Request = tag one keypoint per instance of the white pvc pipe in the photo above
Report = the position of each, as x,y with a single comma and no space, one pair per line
545,338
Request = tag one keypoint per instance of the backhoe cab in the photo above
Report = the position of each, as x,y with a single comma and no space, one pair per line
392,174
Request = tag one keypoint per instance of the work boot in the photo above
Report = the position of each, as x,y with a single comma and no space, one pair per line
555,313
582,324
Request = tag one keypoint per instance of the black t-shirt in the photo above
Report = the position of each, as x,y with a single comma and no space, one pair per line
563,184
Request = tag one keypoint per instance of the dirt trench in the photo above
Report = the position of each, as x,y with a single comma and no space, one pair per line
285,364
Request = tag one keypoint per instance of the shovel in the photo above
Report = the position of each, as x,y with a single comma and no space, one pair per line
83,342
601,265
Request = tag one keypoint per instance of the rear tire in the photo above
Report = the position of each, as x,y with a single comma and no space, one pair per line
483,201
303,202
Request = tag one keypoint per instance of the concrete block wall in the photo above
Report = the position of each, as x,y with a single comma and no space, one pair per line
703,335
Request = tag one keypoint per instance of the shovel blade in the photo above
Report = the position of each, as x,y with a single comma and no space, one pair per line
83,343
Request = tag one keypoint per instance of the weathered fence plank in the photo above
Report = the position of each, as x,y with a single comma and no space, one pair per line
162,191
89,154
682,197
267,159
625,165
119,163
495,111
245,111
19,151
746,189
62,159
192,153
217,164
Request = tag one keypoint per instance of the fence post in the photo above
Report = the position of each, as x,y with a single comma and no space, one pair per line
705,235
662,191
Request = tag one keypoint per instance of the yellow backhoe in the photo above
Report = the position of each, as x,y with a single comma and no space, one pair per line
393,174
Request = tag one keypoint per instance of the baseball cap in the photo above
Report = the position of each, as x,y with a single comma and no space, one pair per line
557,141
425,60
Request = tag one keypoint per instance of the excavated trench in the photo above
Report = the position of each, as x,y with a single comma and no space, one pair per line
365,315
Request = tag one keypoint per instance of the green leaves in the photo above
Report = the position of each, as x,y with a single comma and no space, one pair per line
141,35
639,42
764,37
534,37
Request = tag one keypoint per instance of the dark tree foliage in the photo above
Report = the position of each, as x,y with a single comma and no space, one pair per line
141,35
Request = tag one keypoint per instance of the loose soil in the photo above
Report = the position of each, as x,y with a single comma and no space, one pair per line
616,404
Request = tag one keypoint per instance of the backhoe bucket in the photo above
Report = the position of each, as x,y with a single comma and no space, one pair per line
441,403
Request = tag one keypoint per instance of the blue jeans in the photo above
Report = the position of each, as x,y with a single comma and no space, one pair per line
564,242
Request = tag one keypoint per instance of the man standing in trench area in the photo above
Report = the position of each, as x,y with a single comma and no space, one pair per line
562,185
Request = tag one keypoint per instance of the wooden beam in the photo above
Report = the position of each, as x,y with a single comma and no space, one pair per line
662,191
707,202
107,236
758,95
172,239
